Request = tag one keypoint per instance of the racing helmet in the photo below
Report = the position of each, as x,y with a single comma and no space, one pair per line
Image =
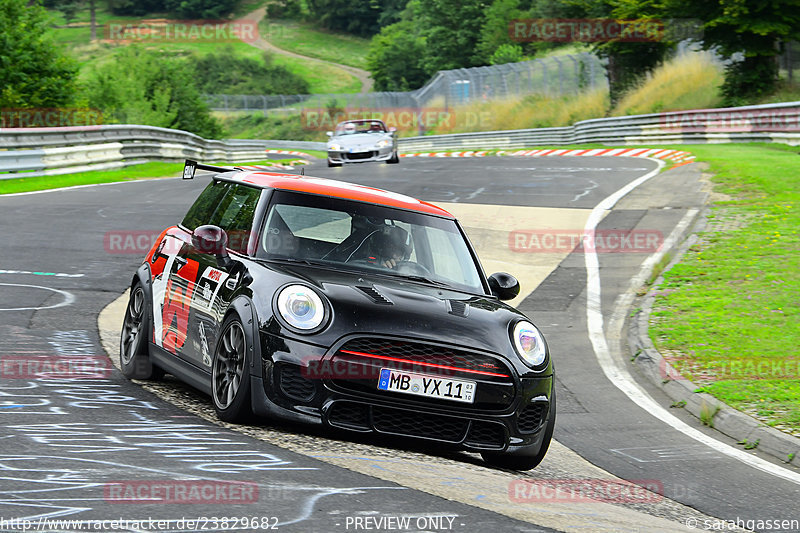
391,242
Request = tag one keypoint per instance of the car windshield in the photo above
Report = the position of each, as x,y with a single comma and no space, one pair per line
360,126
367,237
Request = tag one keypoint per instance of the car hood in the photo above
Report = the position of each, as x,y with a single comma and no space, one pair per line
382,305
359,140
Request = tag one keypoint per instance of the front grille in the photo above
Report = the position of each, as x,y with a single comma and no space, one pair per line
531,417
488,435
294,385
363,417
349,415
431,354
355,156
401,422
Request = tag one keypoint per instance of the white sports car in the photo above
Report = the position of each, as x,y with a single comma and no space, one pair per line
359,141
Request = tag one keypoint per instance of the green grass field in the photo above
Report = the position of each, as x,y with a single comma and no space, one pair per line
302,38
728,315
322,79
135,172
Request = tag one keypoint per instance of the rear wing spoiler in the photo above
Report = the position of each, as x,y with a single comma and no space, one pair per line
190,167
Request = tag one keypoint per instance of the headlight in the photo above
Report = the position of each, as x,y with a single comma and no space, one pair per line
334,147
383,143
529,343
301,307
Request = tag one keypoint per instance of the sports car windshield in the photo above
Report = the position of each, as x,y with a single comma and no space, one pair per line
361,126
363,237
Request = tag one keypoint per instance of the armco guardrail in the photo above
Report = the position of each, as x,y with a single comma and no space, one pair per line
766,123
40,151
63,150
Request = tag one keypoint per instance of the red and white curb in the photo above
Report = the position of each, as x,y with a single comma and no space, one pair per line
288,152
276,166
446,154
657,153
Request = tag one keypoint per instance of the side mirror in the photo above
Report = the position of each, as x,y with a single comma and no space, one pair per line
393,129
329,133
504,286
211,239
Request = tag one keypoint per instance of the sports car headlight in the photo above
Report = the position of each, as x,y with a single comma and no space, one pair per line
529,343
301,307
334,147
382,143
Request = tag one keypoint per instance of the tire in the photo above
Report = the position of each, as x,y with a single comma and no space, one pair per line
230,374
332,164
520,460
134,354
393,160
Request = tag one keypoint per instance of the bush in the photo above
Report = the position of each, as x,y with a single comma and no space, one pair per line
143,87
506,53
224,72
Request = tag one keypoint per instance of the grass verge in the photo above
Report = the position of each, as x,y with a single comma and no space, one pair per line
135,172
728,315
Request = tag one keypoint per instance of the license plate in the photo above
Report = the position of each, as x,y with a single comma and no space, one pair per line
460,390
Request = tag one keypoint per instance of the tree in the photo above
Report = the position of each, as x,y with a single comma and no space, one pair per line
451,29
494,32
34,71
144,87
395,58
628,62
201,9
753,27
354,16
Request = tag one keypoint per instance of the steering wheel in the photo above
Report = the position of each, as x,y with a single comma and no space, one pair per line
411,267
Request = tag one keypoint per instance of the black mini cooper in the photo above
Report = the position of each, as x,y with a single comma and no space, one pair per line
324,302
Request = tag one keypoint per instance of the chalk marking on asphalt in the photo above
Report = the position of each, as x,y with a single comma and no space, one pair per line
619,375
69,298
33,273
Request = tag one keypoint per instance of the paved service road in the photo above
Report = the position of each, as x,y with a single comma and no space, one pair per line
81,448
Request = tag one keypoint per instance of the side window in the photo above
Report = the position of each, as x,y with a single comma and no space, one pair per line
204,208
236,212
235,215
228,205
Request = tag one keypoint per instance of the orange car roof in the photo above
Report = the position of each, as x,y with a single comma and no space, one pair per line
337,189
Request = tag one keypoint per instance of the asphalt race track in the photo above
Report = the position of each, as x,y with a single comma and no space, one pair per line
69,444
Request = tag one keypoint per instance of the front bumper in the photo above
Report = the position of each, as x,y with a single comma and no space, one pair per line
343,156
302,382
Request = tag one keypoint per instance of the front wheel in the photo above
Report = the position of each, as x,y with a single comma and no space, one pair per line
332,164
230,376
394,159
520,460
134,355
